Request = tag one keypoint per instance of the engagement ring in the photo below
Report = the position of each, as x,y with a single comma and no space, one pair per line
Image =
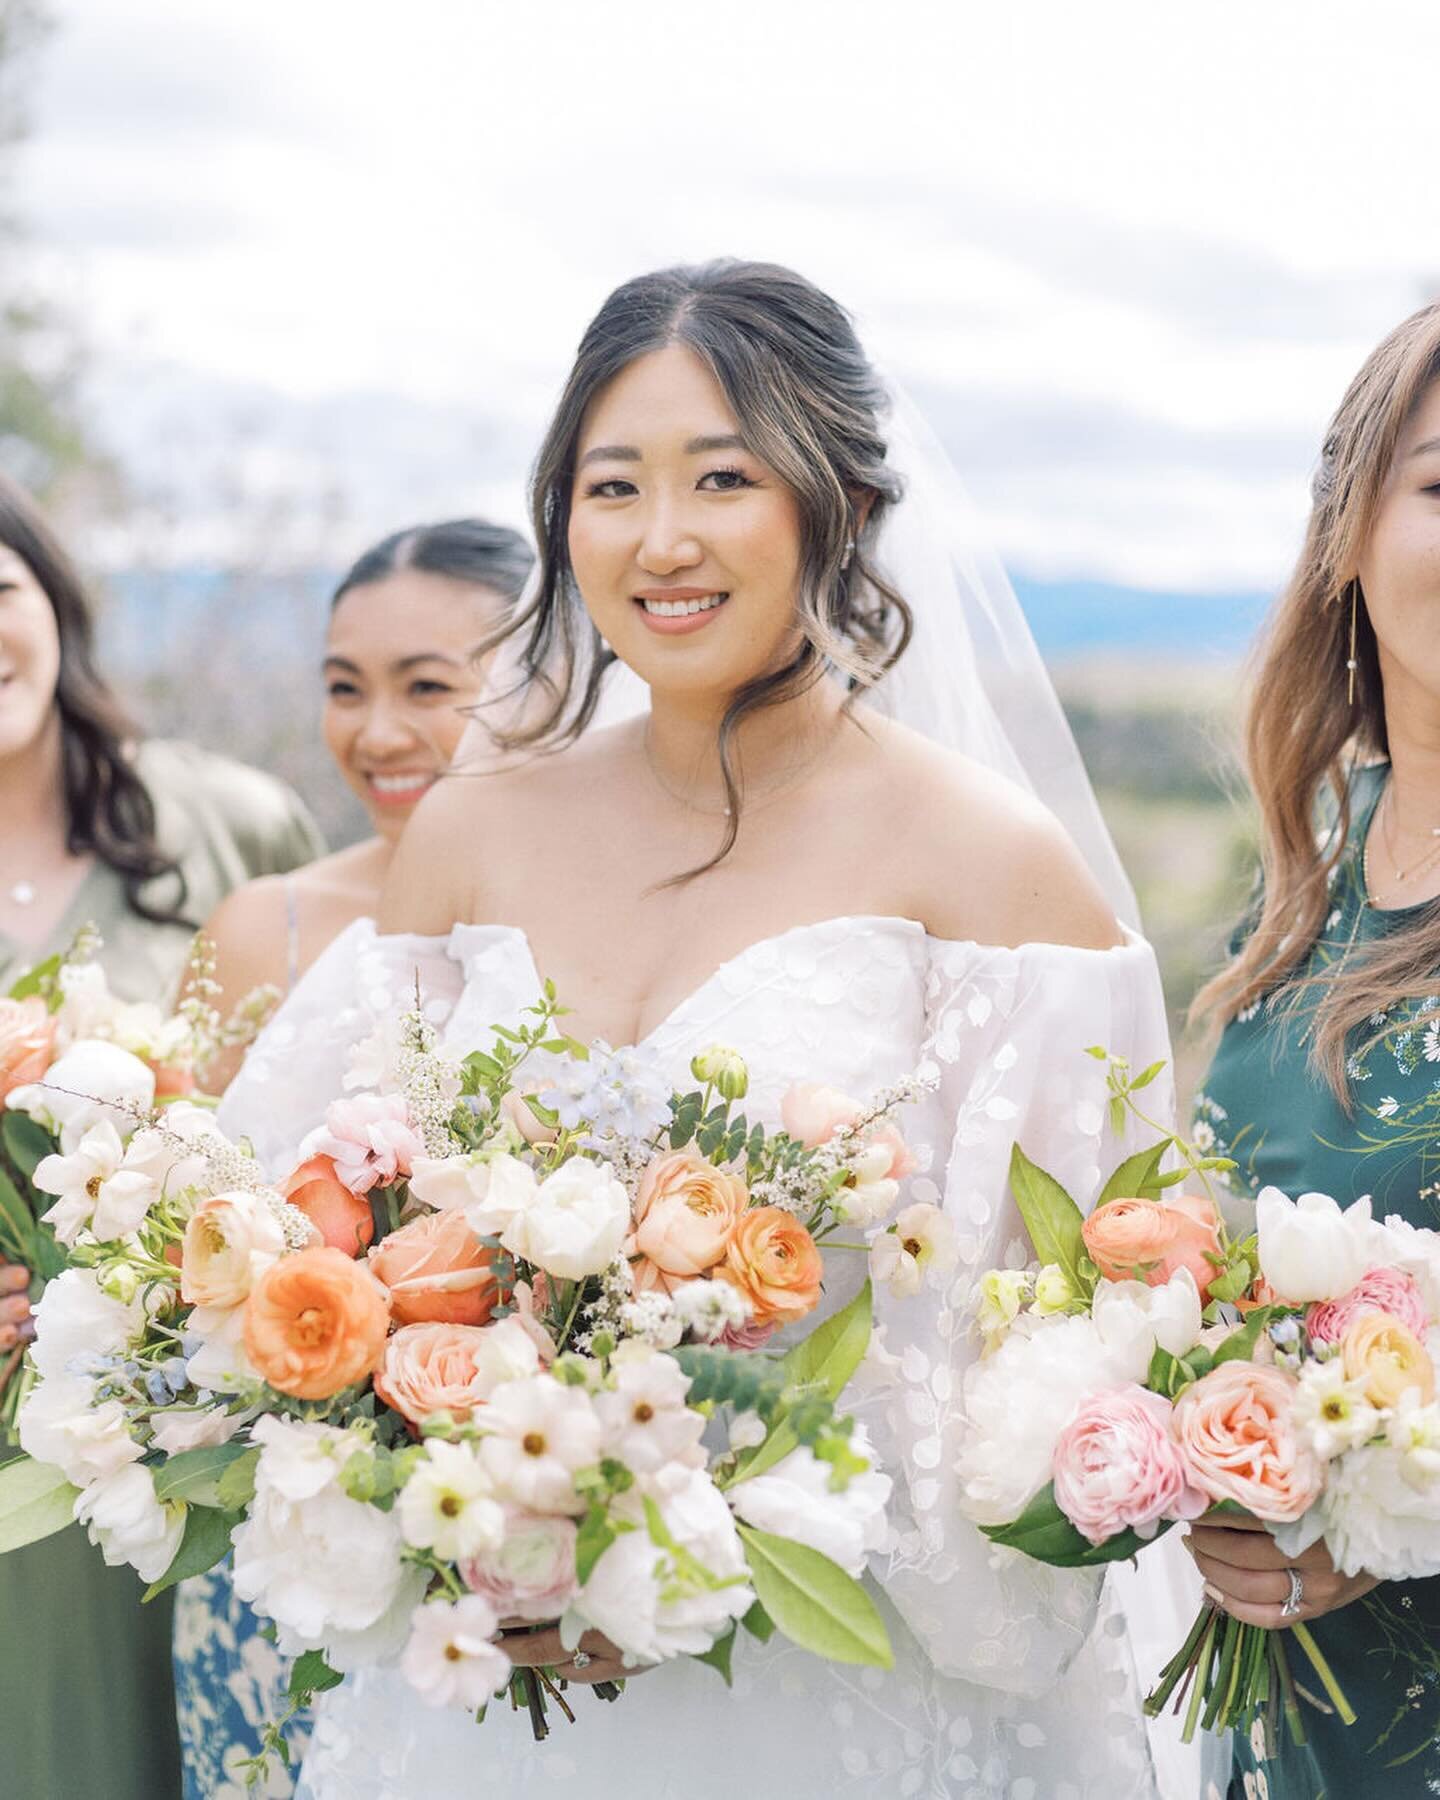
1295,1599
581,1660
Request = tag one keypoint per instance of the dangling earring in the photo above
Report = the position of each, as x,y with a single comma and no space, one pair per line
849,552
1353,664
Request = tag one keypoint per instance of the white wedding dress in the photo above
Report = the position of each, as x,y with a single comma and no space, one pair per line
1011,1681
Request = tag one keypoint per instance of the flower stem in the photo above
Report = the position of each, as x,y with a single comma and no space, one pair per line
1158,1697
1323,1670
1202,1673
1286,1684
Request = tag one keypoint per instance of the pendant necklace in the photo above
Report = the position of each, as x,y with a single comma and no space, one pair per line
21,893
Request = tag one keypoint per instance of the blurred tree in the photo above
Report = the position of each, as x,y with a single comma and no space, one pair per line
42,441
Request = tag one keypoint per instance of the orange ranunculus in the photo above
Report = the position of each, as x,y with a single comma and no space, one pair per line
315,1323
27,1036
773,1261
1388,1358
1235,1431
685,1212
1151,1240
342,1218
436,1268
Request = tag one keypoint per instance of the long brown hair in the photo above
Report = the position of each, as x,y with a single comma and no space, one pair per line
109,813
1303,738
808,403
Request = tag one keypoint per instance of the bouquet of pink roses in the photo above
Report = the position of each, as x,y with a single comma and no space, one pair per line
455,1370
1154,1368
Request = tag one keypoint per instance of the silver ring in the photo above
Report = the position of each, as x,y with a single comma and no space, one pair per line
582,1659
1295,1599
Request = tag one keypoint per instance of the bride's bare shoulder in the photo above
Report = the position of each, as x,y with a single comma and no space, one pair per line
986,860
438,873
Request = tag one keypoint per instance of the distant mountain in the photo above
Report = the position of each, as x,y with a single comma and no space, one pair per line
151,617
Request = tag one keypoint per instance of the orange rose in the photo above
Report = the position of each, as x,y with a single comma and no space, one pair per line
1388,1358
1150,1240
773,1261
436,1268
1235,1432
315,1323
685,1211
343,1219
27,1036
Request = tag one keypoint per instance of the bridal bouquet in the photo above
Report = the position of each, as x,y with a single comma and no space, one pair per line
1154,1369
64,1038
455,1372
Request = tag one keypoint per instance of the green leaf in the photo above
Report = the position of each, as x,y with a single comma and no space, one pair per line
1241,1343
35,1502
312,1675
205,1543
26,1142
1136,1178
814,1602
594,1538
1051,1217
39,979
236,1487
194,1475
1146,1076
1043,1532
826,1359
759,1623
719,1654
19,1232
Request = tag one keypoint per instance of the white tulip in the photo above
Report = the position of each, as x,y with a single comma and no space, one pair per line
1309,1248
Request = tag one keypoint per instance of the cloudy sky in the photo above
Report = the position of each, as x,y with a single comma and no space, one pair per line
1126,255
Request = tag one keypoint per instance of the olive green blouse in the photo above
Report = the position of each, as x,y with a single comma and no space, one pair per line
87,1707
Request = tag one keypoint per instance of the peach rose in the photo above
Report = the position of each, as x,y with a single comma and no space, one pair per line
685,1211
343,1218
436,1268
1388,1358
812,1113
315,1323
27,1036
1150,1240
1235,1432
453,1368
773,1261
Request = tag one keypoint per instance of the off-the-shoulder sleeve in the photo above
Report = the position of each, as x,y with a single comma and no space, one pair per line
1007,1032
297,1065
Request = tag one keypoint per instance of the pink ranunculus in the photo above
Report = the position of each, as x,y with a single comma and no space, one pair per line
1117,1467
369,1138
1235,1428
531,1573
1378,1290
812,1113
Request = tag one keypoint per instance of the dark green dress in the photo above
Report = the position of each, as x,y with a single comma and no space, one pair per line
1281,1122
87,1706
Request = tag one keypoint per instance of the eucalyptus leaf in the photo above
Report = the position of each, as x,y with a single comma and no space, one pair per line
827,1359
35,1502
814,1602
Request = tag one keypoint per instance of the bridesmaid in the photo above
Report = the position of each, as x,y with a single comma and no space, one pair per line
1325,1075
141,839
400,670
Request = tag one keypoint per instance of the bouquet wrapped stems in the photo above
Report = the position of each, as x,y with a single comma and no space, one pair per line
1233,1673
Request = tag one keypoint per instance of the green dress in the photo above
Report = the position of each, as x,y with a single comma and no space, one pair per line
87,1708
1262,1104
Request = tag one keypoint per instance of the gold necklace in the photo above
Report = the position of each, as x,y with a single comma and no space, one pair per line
784,781
1399,875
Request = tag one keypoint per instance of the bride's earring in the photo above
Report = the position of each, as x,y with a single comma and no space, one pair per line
1353,663
849,552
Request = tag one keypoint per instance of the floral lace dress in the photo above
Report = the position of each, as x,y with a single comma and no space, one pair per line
1010,1679
1262,1105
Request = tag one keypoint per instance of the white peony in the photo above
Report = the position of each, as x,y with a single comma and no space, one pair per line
129,1524
539,1434
450,1659
492,1191
575,1224
1373,1519
1309,1248
319,1563
92,1081
795,1500
644,1416
61,1424
1018,1401
448,1505
75,1322
95,1189
1414,1430
1130,1313
649,1607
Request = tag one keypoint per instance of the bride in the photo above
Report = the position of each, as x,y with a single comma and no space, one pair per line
760,854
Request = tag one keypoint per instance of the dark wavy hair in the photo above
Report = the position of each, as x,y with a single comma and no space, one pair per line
470,550
809,404
109,813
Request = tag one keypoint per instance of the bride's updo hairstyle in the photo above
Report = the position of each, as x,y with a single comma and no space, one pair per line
1303,736
808,404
